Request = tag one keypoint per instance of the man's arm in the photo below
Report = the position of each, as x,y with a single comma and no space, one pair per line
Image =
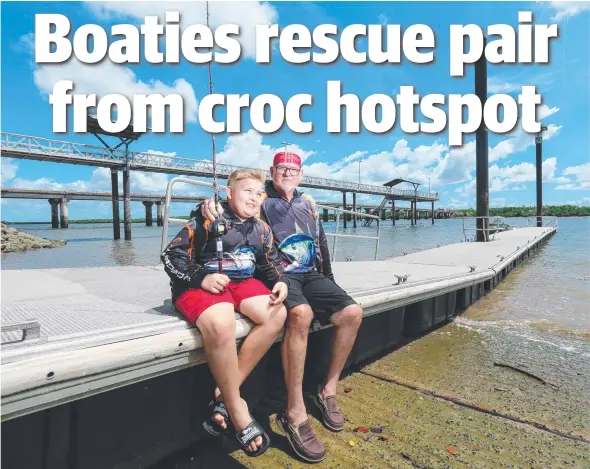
177,259
268,263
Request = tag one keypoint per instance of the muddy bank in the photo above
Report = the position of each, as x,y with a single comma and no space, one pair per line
15,241
425,431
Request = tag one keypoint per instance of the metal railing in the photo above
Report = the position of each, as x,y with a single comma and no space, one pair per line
533,219
168,199
38,148
337,235
494,225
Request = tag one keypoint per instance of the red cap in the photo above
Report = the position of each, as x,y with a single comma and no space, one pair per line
286,157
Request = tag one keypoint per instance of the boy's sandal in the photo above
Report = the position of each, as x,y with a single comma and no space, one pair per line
216,407
249,434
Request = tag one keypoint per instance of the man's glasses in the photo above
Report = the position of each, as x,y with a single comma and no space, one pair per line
284,170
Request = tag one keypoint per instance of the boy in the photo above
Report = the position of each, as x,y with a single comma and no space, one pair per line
208,298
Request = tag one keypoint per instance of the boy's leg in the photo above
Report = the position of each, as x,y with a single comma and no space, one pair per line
217,325
253,300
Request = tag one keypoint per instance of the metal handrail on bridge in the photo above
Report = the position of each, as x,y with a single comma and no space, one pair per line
24,146
336,235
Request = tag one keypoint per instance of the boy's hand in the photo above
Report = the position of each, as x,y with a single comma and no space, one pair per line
215,283
279,293
208,209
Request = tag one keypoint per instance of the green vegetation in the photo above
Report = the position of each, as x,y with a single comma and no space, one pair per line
548,210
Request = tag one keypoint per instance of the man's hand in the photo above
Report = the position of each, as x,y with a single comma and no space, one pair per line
208,209
279,293
215,283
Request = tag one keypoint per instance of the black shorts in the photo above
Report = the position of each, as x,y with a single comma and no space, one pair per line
319,292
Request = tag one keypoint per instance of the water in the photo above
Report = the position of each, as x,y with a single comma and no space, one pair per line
548,296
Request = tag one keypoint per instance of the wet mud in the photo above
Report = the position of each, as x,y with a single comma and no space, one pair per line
482,429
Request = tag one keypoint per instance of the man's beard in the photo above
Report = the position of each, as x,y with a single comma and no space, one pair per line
288,185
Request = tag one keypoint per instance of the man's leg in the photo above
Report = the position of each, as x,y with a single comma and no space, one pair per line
346,324
332,304
217,325
293,352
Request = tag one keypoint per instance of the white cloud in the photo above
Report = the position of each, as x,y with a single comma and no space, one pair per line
248,150
245,14
567,9
580,175
498,85
9,169
520,141
106,78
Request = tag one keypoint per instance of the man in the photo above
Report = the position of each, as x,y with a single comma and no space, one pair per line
299,236
208,298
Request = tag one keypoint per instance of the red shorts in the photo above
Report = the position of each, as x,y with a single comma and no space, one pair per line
193,302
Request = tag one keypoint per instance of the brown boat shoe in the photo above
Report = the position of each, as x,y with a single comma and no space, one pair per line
302,439
332,417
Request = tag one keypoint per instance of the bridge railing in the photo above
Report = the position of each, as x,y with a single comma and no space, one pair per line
39,146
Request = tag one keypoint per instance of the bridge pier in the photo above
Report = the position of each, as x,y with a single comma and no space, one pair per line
344,207
411,213
115,196
393,212
432,212
325,217
63,208
159,215
148,213
54,213
354,209
126,204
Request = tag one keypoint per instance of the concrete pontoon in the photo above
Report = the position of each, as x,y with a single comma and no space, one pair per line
104,373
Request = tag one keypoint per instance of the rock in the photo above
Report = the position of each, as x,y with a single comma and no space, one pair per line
15,240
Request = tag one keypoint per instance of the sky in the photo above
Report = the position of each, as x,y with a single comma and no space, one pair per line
564,84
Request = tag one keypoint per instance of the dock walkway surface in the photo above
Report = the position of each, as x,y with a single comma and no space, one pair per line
108,327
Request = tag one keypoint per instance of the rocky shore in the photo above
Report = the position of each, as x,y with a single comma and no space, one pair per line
15,241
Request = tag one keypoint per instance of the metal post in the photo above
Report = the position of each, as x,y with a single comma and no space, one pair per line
127,196
115,196
481,151
344,207
63,208
159,220
336,233
148,213
54,213
432,212
354,209
539,148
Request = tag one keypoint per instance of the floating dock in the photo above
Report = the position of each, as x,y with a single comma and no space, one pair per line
105,373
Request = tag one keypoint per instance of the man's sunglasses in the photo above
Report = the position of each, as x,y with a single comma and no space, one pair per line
284,170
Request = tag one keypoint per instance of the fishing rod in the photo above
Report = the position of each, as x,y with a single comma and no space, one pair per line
219,225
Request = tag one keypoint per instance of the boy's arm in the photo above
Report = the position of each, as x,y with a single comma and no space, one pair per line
177,257
268,263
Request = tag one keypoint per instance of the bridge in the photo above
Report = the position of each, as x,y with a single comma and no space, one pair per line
42,149
60,198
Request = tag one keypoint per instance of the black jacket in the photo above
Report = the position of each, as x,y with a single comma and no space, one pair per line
248,252
298,232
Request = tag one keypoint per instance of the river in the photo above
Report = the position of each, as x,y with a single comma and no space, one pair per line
548,295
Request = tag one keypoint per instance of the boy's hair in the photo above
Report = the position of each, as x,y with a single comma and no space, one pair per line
240,174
